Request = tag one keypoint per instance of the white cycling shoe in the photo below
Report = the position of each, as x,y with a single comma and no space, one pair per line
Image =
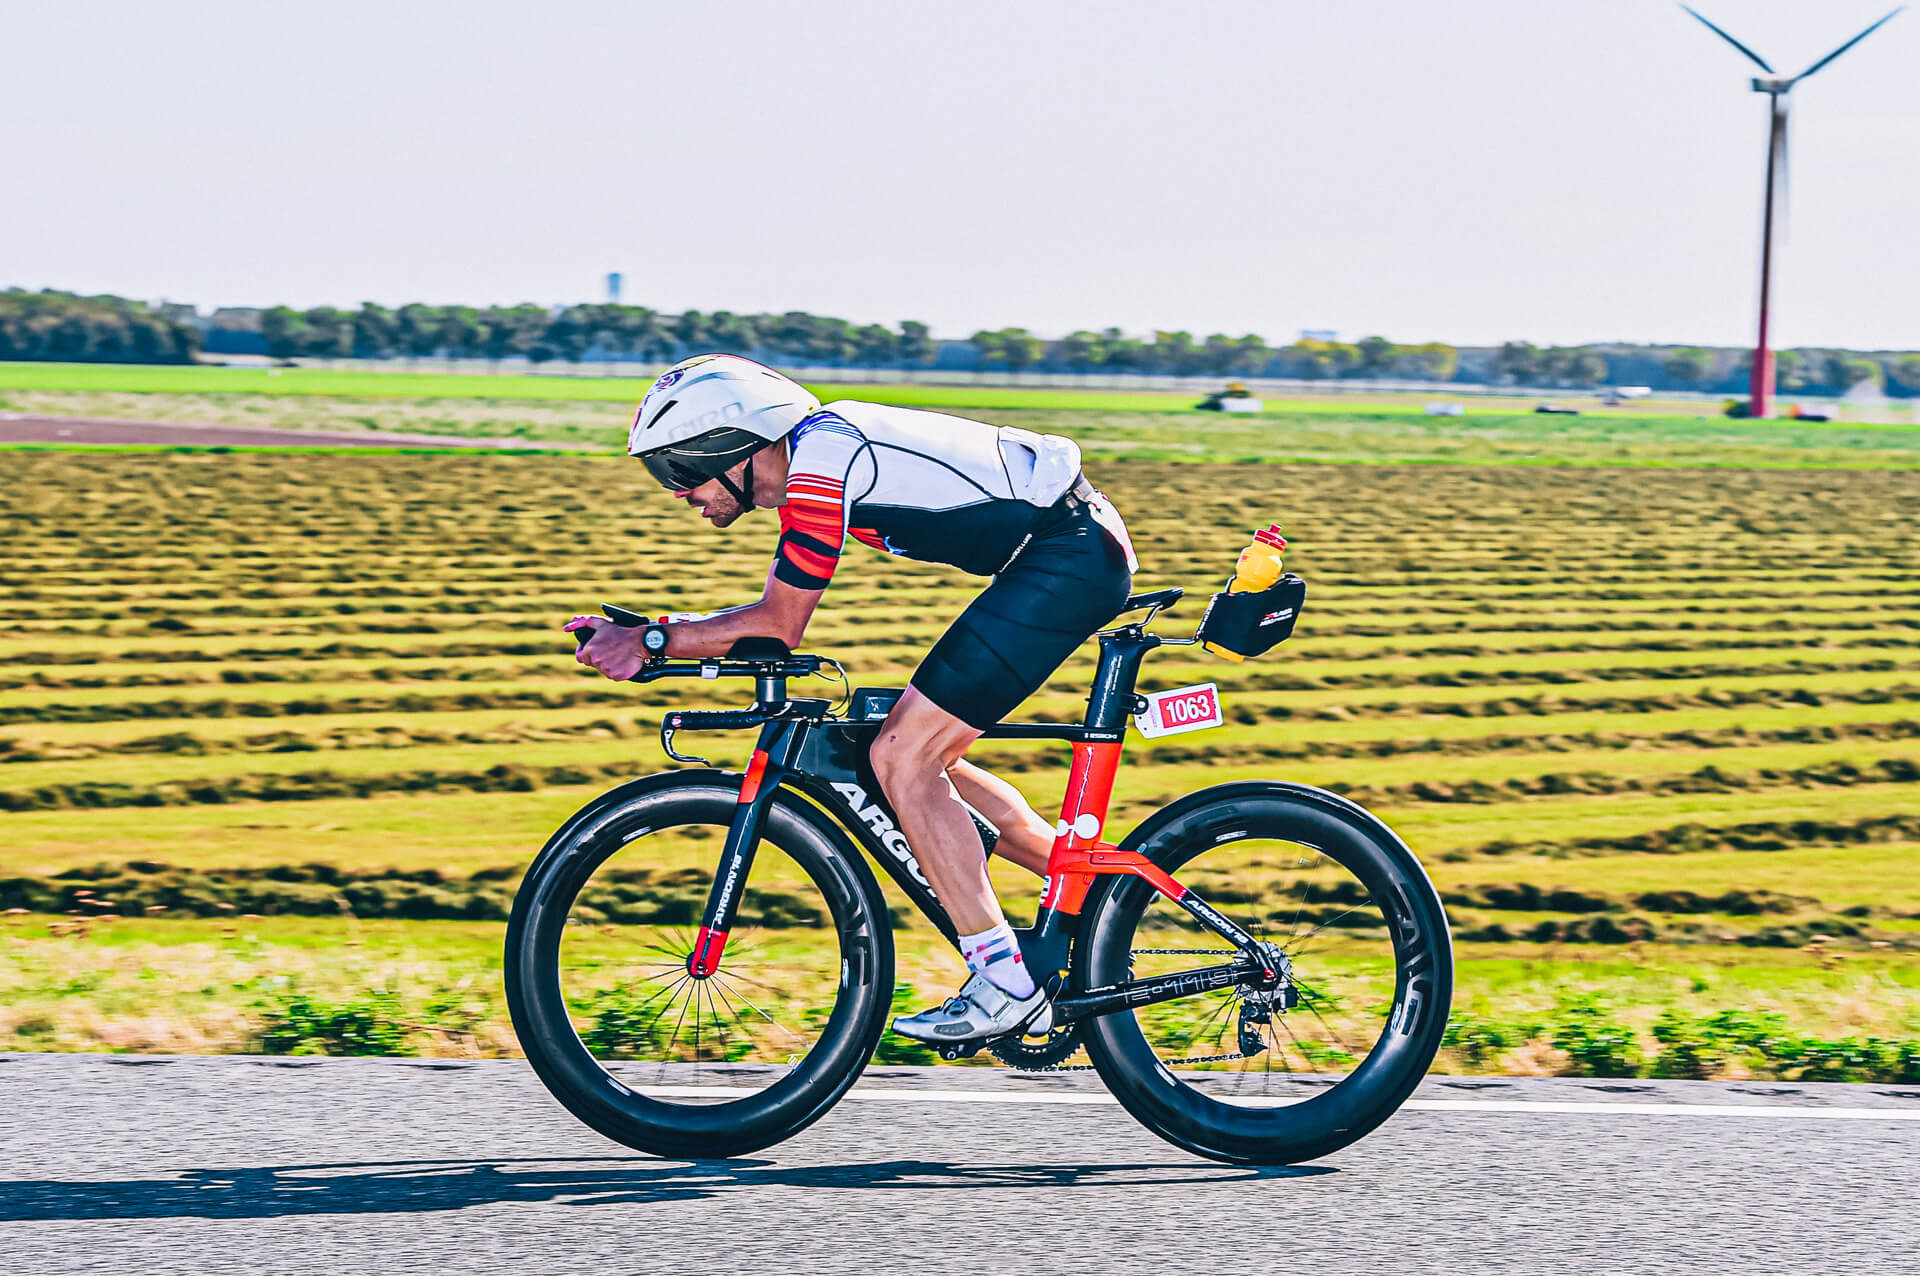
981,1009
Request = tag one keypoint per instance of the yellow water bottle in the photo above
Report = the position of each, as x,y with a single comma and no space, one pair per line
1259,568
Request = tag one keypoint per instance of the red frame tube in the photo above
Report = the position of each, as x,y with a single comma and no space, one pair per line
1078,855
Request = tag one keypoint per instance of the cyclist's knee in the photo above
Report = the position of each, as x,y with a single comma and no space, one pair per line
902,757
919,740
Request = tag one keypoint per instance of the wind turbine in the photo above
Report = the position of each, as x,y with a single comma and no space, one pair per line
1776,87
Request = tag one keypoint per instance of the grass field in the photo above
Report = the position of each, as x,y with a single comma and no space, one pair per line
1655,731
1111,425
402,384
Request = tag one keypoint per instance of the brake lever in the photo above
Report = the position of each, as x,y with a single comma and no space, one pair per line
666,744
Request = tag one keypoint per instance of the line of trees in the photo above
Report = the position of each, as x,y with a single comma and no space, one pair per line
54,325
1181,354
574,333
65,327
1796,371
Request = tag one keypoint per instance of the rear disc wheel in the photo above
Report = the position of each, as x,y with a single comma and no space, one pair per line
1302,1067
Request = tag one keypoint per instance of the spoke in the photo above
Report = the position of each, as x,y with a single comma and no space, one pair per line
699,1012
1338,1040
735,1019
1312,1064
1330,921
1303,862
1200,1032
678,980
758,983
726,988
682,1018
1272,1052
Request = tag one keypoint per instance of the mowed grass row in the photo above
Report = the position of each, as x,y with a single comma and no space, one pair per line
1532,671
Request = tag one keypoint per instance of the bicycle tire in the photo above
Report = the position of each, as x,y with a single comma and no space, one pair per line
1175,1108
810,1086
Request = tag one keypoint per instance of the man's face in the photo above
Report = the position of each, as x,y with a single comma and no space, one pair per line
714,502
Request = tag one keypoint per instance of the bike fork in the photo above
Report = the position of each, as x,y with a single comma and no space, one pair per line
768,767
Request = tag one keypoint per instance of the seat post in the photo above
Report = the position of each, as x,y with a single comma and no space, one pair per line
1110,703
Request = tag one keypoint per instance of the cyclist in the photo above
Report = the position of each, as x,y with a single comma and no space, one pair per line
728,436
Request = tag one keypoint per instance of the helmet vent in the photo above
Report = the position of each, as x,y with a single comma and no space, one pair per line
664,409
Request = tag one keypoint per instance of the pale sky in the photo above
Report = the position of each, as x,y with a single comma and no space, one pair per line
1472,172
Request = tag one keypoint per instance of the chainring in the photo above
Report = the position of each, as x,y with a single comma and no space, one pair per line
1032,1054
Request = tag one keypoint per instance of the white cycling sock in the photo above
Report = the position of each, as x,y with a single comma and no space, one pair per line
995,953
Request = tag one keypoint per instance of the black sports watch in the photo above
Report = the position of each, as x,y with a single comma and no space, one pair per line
654,639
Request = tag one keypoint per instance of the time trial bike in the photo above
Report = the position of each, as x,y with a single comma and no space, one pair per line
1277,999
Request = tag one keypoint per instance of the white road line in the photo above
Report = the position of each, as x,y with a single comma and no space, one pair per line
1575,1107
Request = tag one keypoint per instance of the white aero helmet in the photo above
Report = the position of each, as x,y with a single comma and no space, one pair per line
705,415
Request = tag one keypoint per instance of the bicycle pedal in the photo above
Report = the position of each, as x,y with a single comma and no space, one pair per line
961,1050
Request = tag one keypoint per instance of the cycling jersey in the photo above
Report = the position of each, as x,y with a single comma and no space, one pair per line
925,485
986,499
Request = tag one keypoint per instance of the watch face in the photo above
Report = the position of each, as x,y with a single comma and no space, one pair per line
654,640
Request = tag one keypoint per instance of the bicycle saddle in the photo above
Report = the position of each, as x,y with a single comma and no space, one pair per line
1162,598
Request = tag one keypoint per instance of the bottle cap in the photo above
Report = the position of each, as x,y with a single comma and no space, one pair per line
1271,536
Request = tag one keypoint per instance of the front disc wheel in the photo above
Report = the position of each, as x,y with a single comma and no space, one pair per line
634,1041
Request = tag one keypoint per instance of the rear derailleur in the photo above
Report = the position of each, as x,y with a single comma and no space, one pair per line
1273,994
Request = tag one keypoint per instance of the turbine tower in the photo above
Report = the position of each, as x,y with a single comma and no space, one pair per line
1776,87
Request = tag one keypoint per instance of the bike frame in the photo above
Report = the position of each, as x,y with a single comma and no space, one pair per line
826,759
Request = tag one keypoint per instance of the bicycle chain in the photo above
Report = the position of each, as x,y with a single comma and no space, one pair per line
1171,1063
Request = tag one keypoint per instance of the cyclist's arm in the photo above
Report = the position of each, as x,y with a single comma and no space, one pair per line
813,529
782,612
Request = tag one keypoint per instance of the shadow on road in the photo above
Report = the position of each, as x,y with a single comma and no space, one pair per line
404,1187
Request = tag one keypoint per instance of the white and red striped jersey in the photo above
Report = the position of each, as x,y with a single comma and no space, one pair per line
923,484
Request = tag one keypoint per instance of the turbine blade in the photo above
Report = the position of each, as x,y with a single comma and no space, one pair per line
1757,59
1848,45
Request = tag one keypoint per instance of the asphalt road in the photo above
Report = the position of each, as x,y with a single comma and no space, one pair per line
155,1165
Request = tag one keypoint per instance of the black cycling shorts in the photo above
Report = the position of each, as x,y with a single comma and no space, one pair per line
1070,580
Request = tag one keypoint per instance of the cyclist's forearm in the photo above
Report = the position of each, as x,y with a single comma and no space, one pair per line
782,612
716,634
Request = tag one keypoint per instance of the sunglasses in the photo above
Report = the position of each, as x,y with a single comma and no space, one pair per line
678,473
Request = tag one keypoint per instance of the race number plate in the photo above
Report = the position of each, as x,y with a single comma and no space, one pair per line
1180,709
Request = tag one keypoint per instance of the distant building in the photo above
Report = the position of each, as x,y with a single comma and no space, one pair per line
1319,334
613,287
234,330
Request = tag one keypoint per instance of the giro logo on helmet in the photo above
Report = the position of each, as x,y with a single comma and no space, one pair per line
717,417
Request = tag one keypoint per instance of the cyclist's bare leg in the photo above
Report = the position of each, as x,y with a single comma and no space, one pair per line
916,746
1025,838
911,755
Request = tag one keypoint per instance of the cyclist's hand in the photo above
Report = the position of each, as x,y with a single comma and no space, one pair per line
614,650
